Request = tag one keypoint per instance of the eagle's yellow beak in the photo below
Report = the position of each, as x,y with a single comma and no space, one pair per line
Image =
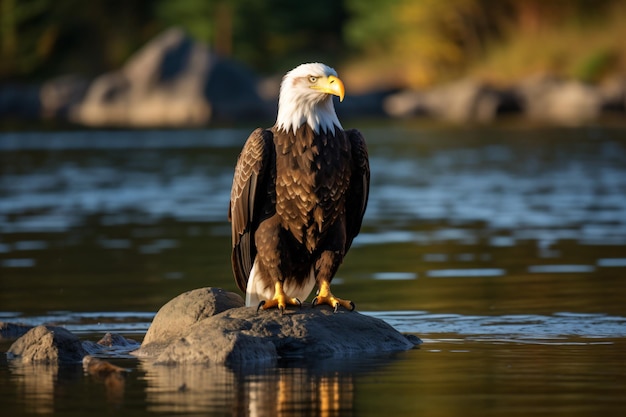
331,85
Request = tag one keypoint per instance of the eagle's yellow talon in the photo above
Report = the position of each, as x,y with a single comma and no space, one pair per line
280,300
326,297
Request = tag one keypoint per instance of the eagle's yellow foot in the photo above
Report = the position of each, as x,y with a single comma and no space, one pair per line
324,296
280,300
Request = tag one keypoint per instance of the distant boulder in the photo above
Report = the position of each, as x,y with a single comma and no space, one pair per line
552,99
406,104
466,100
613,93
59,95
172,81
243,335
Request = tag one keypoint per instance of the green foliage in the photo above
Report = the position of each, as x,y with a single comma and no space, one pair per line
419,42
371,25
592,67
196,16
43,38
277,34
22,46
430,37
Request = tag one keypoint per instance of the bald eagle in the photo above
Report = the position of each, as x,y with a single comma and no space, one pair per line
298,196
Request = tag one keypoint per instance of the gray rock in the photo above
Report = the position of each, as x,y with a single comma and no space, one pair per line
49,345
465,100
243,335
613,93
555,100
462,101
60,94
209,342
111,343
116,341
406,103
175,318
10,331
171,81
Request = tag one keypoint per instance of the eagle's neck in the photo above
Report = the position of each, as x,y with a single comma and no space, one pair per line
295,110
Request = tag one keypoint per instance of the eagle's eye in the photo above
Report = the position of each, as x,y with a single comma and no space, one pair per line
312,79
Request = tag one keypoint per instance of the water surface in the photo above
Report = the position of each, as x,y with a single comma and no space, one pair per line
503,249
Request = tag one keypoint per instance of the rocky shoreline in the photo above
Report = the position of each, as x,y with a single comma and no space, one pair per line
211,326
174,81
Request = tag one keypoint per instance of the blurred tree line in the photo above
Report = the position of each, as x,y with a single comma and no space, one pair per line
416,42
40,38
430,41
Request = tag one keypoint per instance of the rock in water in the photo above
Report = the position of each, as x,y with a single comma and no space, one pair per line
44,344
173,320
116,340
243,335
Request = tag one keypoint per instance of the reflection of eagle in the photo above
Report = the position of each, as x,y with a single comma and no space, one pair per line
298,197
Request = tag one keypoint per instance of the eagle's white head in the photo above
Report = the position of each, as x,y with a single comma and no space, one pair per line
306,97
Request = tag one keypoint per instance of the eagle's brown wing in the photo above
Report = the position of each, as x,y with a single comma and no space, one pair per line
358,191
248,201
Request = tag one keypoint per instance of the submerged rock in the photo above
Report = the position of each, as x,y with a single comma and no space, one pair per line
116,341
242,335
50,344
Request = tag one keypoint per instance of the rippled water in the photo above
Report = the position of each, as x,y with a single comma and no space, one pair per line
503,249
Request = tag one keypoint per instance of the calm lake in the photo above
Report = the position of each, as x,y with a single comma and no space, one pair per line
504,249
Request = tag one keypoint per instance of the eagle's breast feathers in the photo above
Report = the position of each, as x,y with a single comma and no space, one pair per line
312,177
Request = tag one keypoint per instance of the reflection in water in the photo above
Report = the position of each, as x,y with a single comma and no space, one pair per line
290,391
36,385
188,388
45,388
40,388
449,375
114,385
298,391
113,377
